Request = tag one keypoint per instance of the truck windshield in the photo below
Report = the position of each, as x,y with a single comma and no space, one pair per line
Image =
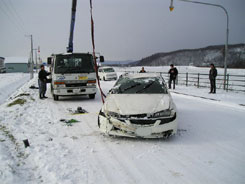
74,64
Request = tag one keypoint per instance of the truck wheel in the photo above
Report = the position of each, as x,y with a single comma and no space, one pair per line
104,78
51,88
91,96
56,97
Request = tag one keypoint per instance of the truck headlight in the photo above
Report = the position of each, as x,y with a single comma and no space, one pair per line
59,84
91,83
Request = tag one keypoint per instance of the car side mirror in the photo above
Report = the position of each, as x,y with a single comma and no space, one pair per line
49,60
101,59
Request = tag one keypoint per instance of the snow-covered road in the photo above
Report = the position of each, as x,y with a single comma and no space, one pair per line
208,148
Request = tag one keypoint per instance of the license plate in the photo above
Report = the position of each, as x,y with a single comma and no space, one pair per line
143,131
82,77
76,90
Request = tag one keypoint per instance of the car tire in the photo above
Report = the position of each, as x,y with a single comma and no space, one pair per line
104,78
91,96
98,121
56,97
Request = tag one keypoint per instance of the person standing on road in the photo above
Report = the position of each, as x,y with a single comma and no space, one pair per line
173,72
212,78
42,82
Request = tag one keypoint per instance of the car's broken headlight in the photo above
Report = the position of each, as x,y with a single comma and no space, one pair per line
164,113
113,114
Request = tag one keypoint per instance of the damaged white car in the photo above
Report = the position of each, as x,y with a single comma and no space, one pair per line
139,105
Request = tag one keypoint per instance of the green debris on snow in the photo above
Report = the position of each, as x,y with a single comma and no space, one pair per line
8,134
22,94
69,122
19,101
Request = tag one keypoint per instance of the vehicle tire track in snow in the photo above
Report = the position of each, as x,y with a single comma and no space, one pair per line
105,166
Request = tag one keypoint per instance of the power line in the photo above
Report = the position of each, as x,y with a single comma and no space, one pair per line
16,13
11,20
12,17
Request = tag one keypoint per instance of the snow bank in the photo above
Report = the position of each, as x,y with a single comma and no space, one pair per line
10,82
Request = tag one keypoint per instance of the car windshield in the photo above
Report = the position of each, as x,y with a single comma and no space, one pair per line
108,70
74,64
151,85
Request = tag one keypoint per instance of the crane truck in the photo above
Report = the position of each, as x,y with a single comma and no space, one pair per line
73,73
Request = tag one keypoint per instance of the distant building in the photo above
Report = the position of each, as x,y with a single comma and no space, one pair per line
2,68
16,64
1,62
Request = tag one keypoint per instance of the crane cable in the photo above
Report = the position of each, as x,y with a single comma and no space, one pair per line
94,57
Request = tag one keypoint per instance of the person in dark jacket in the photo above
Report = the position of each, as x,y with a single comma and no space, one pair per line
212,78
142,70
173,72
42,82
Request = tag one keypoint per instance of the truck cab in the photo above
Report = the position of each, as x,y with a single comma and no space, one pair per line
72,74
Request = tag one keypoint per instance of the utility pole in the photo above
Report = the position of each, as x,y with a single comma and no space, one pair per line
39,59
31,72
31,57
36,59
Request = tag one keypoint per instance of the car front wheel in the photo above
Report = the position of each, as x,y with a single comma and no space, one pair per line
98,121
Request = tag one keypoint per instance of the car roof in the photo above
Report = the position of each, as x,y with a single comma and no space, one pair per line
142,75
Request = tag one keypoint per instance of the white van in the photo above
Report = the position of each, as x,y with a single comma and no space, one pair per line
107,73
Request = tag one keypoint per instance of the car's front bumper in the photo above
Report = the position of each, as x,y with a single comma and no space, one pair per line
160,127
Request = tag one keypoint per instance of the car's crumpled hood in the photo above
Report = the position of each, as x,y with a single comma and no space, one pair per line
126,104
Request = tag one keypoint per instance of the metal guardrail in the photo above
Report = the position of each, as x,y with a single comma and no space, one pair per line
200,80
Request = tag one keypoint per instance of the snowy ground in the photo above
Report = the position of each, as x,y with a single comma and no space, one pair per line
208,148
10,82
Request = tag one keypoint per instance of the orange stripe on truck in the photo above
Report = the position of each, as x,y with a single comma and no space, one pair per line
59,82
92,81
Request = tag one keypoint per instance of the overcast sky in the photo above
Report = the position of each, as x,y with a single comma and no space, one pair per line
124,29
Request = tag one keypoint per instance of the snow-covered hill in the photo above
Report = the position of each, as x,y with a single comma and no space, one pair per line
198,57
